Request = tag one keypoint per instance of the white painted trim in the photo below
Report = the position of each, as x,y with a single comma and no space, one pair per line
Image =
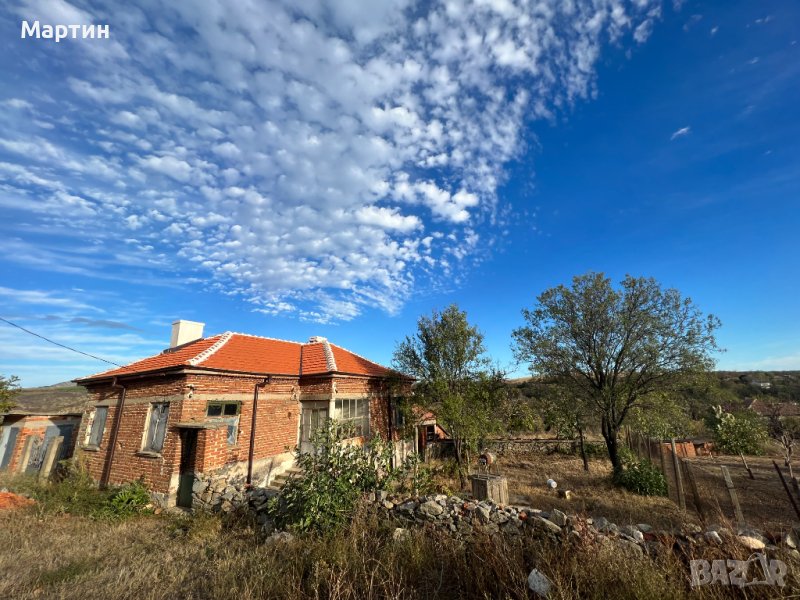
211,350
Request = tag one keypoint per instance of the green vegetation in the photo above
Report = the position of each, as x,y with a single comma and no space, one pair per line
9,388
333,478
454,379
77,494
614,349
741,432
640,476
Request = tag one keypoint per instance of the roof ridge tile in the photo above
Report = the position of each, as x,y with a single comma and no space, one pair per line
330,359
208,352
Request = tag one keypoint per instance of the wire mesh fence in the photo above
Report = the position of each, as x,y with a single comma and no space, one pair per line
744,491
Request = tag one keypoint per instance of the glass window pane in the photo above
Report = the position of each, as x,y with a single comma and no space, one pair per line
231,409
214,410
98,425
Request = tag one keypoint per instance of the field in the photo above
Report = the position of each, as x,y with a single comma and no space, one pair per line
763,499
48,552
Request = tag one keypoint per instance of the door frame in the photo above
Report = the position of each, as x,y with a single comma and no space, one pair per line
186,468
306,416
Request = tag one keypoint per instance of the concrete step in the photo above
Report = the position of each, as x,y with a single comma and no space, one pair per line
280,480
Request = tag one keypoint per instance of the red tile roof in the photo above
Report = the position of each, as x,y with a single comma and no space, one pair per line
244,353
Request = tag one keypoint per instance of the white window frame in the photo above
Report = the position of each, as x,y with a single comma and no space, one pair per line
96,428
354,411
148,441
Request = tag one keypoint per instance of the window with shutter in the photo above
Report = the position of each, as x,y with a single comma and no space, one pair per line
157,427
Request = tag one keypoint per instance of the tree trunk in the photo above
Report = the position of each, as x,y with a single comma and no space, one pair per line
583,450
610,436
461,478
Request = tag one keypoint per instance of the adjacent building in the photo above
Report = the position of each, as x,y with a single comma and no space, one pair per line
234,406
40,418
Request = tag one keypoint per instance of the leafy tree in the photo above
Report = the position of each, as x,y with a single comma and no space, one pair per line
454,379
743,432
661,416
615,348
8,389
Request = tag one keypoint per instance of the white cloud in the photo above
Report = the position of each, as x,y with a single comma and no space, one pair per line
309,149
683,131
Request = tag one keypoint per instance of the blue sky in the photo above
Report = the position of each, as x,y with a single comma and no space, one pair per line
292,169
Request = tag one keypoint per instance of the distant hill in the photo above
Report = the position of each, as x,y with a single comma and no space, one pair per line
741,385
60,398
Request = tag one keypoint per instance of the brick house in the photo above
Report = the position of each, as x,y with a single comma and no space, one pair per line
39,417
231,406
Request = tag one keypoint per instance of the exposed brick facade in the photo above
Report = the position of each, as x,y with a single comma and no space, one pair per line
188,393
35,426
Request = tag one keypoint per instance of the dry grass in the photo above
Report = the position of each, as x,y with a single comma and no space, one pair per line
593,494
202,557
763,500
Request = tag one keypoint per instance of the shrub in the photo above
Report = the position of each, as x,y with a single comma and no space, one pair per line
417,478
742,432
77,494
334,476
643,478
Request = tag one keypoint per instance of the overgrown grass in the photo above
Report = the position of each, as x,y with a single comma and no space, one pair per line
77,494
206,556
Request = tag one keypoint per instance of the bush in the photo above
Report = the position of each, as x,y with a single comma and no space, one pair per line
77,494
741,432
334,476
643,478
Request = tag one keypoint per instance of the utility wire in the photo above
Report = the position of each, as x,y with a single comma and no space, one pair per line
57,344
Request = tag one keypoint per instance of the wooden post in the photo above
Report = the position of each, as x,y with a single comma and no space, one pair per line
786,487
663,464
649,448
678,478
695,492
53,450
26,454
734,498
749,470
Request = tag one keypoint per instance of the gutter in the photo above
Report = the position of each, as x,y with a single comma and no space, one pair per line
251,452
112,442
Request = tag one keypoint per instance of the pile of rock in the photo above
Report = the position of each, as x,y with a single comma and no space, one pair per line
466,517
218,494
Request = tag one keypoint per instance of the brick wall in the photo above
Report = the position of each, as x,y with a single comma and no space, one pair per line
36,425
277,421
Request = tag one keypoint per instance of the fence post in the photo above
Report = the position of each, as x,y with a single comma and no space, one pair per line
749,470
663,463
734,498
786,487
695,492
678,478
649,448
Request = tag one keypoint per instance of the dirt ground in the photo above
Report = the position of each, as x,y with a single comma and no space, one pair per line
593,495
764,502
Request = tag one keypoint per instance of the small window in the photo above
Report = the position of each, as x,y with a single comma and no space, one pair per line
98,426
228,413
157,427
355,412
222,409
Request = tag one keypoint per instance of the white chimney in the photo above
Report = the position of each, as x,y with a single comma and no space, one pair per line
316,339
184,332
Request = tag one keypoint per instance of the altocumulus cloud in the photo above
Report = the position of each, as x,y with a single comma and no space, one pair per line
317,158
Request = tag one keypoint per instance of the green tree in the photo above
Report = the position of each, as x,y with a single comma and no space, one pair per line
742,432
614,348
8,389
661,416
455,379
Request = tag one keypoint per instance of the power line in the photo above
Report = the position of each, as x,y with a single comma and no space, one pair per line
57,344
